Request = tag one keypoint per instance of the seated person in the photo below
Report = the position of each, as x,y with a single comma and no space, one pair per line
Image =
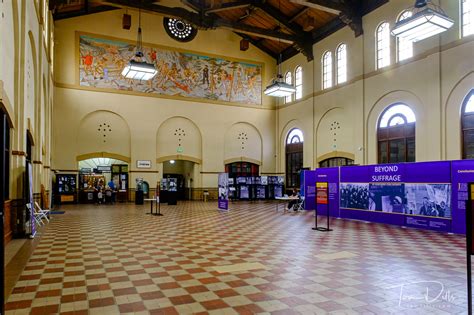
296,197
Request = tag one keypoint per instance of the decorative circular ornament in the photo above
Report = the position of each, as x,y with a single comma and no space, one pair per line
179,30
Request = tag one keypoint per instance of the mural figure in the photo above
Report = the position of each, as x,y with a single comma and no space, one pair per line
180,74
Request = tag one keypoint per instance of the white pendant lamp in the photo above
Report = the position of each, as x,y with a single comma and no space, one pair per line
138,68
427,20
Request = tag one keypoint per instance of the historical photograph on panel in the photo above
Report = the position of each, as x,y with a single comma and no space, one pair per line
387,197
354,195
432,200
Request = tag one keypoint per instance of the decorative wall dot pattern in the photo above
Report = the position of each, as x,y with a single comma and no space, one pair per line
242,137
180,134
335,126
103,130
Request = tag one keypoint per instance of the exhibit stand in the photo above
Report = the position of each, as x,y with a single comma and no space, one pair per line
322,200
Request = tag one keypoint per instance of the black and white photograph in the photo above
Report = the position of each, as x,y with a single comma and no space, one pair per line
387,197
354,195
433,200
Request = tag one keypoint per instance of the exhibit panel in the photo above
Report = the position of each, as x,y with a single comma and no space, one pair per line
426,195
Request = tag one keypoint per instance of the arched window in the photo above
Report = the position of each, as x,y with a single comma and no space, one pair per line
404,47
467,125
289,80
383,45
396,135
299,82
327,70
241,169
336,161
467,17
294,157
341,57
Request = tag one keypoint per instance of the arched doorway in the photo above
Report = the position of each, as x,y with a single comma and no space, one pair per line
294,158
178,175
103,180
396,135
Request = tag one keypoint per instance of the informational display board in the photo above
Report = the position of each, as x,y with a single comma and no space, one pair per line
223,198
426,195
322,193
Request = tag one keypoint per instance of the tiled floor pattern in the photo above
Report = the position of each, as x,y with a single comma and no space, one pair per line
116,259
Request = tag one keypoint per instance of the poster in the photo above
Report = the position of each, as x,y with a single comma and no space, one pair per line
244,192
181,74
354,195
322,193
223,187
387,197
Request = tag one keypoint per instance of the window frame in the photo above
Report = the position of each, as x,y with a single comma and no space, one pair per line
378,44
401,40
338,61
462,17
298,86
404,133
466,100
289,98
293,159
327,70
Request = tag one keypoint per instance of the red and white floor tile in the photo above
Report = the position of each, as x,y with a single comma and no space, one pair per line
116,259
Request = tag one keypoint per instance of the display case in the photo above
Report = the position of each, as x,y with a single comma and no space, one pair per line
66,188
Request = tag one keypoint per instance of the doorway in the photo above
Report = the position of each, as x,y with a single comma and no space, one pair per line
183,172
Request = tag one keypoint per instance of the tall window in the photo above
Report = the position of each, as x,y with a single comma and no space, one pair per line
396,135
383,45
327,70
289,80
405,47
299,82
294,158
467,7
341,57
467,125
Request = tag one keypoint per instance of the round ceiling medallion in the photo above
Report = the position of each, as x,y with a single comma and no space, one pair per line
179,29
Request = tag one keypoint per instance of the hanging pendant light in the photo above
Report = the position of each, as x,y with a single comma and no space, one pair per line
427,20
137,68
278,87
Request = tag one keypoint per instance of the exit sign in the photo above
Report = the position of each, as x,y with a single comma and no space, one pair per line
180,150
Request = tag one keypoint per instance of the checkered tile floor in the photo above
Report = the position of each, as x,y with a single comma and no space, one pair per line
116,259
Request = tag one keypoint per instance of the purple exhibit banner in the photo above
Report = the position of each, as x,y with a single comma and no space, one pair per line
223,197
426,195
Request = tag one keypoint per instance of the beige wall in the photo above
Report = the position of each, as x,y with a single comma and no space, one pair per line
25,87
433,83
152,121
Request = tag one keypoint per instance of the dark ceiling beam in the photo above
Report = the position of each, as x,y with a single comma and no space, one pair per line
85,11
259,44
303,43
299,14
228,6
193,5
203,21
331,6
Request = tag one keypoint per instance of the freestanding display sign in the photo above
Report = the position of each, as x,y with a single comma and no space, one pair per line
469,243
223,198
322,198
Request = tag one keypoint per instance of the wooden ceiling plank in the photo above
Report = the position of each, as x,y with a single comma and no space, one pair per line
331,6
228,6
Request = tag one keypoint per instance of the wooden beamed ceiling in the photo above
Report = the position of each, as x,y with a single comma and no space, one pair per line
277,27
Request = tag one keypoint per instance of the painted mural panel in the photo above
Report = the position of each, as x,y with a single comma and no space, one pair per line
180,74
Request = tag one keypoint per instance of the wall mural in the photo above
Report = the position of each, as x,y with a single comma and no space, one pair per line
180,74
